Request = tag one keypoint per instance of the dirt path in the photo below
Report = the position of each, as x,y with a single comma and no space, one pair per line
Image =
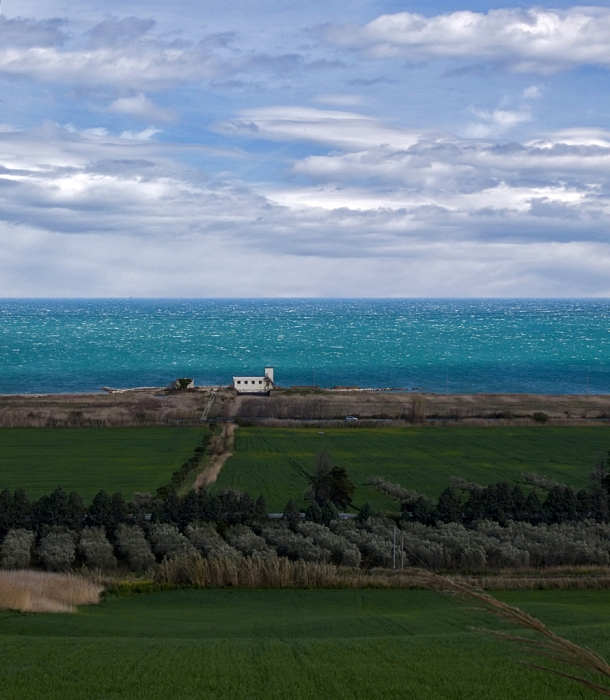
223,444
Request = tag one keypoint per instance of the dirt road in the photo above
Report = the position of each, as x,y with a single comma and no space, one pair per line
223,445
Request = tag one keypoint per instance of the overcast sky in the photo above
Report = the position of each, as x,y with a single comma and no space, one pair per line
319,148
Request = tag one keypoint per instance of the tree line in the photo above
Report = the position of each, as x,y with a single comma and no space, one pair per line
68,510
538,501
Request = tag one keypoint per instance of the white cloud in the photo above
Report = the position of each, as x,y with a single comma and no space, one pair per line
495,122
142,107
144,135
532,92
529,40
344,129
151,67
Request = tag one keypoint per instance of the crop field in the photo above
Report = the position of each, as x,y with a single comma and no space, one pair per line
275,462
89,459
273,645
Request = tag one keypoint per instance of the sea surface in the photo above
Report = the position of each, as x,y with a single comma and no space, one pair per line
453,346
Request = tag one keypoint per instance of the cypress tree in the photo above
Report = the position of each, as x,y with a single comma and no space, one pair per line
341,489
189,509
534,510
518,507
7,508
100,510
291,514
421,511
449,507
365,512
260,510
329,512
313,513
22,508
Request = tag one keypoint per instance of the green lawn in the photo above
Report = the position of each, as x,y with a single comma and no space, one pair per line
288,645
274,461
89,459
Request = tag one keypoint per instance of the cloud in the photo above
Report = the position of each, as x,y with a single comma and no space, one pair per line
131,53
439,185
27,33
340,100
532,92
526,40
141,107
114,32
119,52
495,122
344,129
385,212
144,135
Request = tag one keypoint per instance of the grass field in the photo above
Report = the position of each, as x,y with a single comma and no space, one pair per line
274,461
89,459
274,645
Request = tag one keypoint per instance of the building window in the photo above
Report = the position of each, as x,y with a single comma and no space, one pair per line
259,381
239,381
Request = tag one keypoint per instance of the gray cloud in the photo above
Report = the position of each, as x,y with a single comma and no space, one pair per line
28,33
114,32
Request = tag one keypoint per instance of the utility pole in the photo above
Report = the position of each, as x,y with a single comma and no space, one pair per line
394,550
314,377
402,550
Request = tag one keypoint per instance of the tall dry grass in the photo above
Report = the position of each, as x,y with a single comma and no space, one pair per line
276,572
57,418
570,658
42,591
280,572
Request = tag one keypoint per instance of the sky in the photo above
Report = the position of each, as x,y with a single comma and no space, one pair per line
274,148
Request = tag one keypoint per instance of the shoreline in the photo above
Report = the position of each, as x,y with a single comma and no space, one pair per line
142,406
303,390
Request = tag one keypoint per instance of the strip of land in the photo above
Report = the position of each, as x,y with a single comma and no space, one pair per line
222,446
164,407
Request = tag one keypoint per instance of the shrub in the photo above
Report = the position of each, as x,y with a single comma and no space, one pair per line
375,549
57,551
246,541
342,551
135,548
168,541
206,540
293,545
95,549
540,417
17,549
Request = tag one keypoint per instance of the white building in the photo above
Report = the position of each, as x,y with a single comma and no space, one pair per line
254,385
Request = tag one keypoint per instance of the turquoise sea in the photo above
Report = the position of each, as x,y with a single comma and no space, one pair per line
539,346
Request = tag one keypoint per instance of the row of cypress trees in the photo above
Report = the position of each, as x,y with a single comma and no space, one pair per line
68,510
502,503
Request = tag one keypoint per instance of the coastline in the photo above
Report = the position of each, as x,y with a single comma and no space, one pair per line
160,406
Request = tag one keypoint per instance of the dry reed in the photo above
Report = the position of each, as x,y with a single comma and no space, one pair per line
545,643
280,572
41,591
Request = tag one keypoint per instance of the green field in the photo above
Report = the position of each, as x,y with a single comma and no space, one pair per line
89,459
288,644
274,461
